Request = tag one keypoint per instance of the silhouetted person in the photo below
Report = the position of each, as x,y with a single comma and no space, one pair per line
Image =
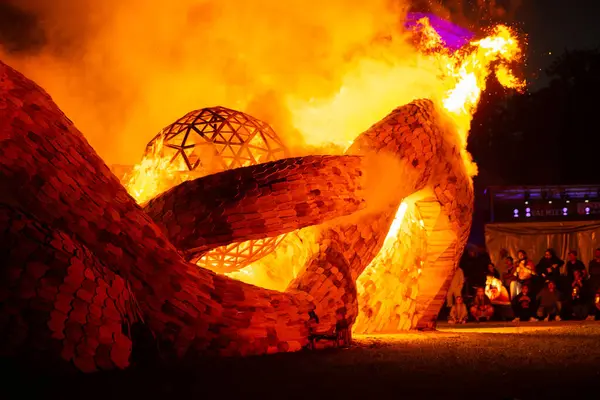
524,306
342,328
523,272
549,304
493,271
594,272
458,312
509,275
549,266
596,308
574,264
579,296
482,306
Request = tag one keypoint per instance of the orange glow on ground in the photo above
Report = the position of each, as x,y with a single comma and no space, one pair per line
396,337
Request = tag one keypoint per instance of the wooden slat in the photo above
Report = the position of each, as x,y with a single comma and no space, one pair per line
436,274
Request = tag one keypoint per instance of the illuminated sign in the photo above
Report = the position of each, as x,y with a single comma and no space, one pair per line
588,208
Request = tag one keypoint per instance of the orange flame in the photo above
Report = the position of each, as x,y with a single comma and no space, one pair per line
471,70
365,97
463,76
155,174
454,79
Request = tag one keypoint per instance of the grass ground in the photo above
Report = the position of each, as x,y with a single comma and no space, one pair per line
556,362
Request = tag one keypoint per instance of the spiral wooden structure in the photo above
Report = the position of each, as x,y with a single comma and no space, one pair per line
84,266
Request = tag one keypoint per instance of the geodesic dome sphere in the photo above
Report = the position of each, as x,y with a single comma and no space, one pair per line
216,139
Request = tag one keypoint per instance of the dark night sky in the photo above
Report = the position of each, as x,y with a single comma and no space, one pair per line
556,25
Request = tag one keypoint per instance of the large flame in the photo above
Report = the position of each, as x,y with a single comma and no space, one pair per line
377,84
463,76
155,174
374,85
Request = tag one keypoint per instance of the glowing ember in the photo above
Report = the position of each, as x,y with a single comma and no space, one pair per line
454,37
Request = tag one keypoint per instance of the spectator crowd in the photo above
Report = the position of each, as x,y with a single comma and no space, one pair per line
550,290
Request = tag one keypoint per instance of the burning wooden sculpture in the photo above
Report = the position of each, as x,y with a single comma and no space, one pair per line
85,267
81,260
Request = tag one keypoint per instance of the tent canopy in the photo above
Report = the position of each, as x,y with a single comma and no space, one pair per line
536,237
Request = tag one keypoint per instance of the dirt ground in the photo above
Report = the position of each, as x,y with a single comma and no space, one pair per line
558,361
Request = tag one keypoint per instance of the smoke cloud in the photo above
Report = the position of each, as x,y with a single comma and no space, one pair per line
122,70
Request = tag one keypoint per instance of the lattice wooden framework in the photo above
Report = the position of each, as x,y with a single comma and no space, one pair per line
216,139
236,256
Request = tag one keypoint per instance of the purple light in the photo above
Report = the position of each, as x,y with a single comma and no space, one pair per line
516,211
587,210
453,35
528,209
528,215
565,209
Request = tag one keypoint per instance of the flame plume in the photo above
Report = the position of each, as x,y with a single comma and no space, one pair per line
460,79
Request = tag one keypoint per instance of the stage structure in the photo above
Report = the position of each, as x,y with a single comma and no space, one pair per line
535,218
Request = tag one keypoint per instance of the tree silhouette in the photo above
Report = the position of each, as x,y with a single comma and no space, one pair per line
543,137
576,68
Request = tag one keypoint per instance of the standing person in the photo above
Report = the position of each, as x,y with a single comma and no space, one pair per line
549,266
549,304
503,254
596,307
579,296
524,306
474,266
456,287
594,272
509,275
493,271
458,312
524,271
574,264
342,329
482,306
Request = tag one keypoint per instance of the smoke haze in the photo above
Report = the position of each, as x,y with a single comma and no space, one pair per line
122,70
